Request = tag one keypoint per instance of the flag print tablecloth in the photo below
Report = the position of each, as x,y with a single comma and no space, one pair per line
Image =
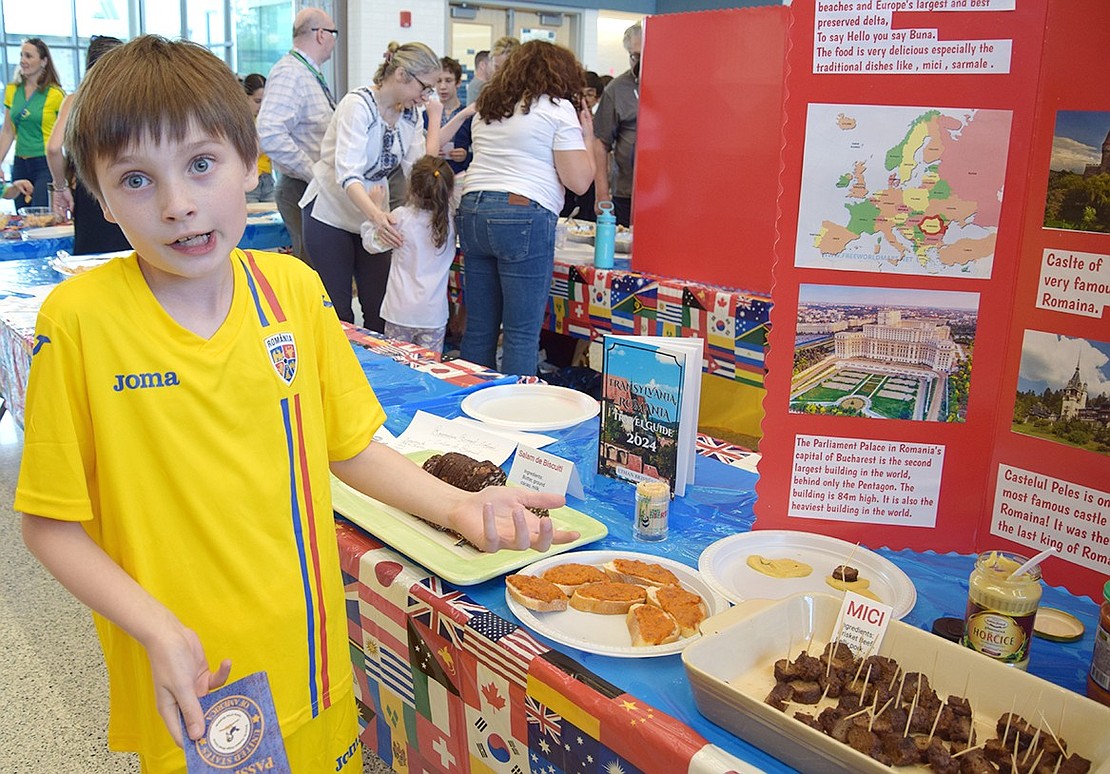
588,303
446,685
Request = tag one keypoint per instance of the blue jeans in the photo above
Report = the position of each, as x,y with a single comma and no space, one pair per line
35,169
509,254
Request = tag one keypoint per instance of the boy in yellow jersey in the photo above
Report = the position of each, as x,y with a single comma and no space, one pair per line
185,405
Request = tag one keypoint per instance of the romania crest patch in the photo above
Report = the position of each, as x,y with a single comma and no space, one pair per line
283,355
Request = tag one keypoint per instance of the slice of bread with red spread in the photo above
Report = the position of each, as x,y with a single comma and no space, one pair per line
642,573
607,597
650,625
535,593
571,575
686,607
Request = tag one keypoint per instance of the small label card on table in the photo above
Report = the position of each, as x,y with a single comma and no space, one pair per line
862,624
543,472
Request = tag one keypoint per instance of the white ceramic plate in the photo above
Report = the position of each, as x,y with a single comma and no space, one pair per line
256,207
530,406
725,567
608,635
48,232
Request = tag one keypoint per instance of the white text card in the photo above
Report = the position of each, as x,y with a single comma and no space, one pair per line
862,623
543,472
429,432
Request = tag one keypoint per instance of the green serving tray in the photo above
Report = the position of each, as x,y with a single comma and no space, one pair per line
437,551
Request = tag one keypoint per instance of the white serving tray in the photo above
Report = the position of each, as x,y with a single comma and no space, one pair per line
731,671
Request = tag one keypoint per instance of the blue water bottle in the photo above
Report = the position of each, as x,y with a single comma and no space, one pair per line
605,236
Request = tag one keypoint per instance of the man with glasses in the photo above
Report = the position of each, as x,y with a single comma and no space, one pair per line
295,113
615,127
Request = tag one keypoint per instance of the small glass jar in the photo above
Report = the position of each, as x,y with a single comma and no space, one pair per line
1001,609
1098,679
653,502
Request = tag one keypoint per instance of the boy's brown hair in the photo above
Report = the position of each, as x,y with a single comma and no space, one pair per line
158,88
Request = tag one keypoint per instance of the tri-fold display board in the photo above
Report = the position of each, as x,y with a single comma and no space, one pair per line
938,374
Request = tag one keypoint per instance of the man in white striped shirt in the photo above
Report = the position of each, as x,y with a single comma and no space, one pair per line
295,113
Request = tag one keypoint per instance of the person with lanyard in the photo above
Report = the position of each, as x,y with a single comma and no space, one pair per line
295,114
31,105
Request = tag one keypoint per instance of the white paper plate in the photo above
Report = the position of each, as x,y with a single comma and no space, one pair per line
256,207
48,232
608,635
725,567
530,406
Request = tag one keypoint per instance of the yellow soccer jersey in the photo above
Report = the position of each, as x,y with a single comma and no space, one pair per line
201,467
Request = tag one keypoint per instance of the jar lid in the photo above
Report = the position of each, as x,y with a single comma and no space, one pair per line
949,628
1056,625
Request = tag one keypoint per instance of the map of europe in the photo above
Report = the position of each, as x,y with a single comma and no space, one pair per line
909,190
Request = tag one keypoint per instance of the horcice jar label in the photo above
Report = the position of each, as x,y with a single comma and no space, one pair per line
999,636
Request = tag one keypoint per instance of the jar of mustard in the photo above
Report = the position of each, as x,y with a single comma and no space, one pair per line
1001,608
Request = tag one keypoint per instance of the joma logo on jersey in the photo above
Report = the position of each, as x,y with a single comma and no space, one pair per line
143,381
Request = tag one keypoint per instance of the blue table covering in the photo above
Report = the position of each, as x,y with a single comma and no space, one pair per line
260,234
717,505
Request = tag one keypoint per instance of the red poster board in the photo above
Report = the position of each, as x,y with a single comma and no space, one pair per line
707,148
908,256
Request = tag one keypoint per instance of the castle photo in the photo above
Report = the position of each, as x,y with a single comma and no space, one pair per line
1064,391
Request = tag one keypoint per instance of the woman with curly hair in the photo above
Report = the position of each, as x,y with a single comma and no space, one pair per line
532,137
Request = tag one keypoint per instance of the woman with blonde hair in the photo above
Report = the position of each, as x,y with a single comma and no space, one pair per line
532,136
375,130
31,105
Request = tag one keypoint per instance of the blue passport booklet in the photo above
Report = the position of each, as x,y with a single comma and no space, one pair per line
650,389
241,731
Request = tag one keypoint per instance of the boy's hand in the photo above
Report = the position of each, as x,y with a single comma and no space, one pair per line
181,675
496,518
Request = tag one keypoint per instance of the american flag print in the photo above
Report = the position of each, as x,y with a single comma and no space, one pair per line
503,646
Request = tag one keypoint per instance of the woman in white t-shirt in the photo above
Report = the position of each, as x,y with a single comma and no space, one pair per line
532,137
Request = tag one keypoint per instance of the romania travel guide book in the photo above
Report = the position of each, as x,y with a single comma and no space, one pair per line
650,388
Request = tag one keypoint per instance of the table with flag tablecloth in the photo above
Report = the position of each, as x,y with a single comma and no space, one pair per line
448,681
587,303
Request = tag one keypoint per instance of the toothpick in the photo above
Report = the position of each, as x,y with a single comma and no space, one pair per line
1032,746
1035,760
1009,719
897,671
875,704
936,720
913,705
1054,737
848,562
966,750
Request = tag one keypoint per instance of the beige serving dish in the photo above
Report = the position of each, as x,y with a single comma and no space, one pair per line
730,670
